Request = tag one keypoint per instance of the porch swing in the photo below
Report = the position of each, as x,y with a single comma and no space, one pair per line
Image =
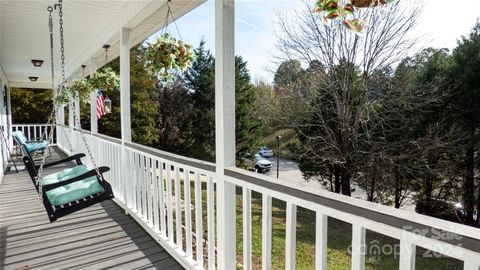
68,191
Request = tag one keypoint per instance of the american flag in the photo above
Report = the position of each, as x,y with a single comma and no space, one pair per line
100,99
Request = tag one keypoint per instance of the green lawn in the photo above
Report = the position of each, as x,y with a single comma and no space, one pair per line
288,137
339,239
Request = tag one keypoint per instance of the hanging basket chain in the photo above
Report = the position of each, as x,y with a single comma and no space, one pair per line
169,12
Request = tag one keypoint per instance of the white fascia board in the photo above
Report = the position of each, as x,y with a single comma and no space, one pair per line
35,85
131,14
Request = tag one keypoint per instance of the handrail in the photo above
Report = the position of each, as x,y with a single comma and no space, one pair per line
466,236
195,163
191,162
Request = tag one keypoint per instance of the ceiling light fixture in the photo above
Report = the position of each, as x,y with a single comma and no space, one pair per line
37,63
33,79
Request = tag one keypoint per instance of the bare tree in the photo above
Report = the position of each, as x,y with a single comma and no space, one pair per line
333,119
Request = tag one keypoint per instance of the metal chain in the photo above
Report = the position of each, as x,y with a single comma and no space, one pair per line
62,47
62,88
52,114
50,28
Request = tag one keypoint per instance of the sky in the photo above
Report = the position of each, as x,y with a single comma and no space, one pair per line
440,26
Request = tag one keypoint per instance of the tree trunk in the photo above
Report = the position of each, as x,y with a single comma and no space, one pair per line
398,189
337,179
428,184
478,205
346,189
469,185
331,179
372,189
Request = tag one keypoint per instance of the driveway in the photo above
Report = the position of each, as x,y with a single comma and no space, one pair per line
290,172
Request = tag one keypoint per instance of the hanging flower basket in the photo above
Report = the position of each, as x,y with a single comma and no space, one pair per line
105,79
167,57
83,88
62,98
346,11
370,3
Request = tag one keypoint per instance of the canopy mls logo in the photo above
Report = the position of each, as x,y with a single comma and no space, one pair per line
439,243
434,233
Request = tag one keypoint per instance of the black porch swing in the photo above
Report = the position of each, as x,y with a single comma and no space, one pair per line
65,192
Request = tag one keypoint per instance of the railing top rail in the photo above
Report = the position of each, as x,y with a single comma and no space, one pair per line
469,237
28,125
190,162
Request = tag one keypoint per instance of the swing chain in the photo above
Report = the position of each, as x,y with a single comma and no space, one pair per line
61,89
62,47
50,27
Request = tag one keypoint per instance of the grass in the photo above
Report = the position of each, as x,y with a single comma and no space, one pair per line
288,137
339,239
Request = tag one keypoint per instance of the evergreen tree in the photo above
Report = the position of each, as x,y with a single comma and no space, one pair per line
466,110
247,126
200,81
143,98
31,105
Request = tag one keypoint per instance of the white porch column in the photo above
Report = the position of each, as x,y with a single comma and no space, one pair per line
125,85
9,120
125,112
93,99
225,130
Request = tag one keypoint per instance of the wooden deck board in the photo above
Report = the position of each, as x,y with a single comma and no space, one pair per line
98,237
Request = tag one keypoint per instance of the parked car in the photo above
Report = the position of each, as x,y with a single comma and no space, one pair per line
265,151
258,163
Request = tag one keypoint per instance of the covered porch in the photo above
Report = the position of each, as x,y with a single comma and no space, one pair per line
100,237
170,211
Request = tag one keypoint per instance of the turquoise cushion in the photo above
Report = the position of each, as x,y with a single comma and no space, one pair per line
20,137
64,174
36,146
74,191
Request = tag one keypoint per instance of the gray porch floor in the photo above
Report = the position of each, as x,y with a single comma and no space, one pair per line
98,237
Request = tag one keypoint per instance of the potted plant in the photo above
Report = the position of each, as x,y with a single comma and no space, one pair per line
370,3
62,98
105,79
167,57
82,87
346,11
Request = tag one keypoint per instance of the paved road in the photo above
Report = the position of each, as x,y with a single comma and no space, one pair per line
290,172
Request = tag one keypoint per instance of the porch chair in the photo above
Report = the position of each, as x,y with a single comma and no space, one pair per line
31,146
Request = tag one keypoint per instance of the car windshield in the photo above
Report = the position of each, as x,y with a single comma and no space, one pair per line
265,148
259,158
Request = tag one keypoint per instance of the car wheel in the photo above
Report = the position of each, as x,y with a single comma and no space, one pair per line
257,169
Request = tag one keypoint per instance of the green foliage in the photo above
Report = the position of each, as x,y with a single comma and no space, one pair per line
30,105
200,81
465,111
105,79
144,108
83,88
62,98
174,117
247,125
289,72
346,12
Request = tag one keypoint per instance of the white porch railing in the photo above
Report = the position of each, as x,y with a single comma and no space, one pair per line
33,131
150,185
